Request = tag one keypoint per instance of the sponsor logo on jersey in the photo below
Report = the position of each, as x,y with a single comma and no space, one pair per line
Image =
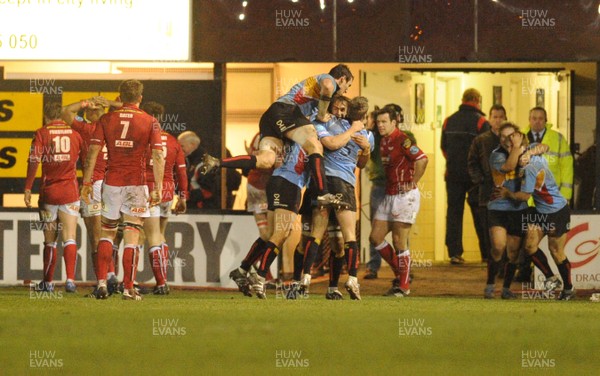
123,144
62,157
138,210
125,115
407,143
414,150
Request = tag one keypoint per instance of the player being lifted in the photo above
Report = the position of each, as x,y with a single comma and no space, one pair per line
57,147
287,119
127,132
155,225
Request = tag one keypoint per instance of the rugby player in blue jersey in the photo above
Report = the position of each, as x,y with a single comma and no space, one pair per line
347,144
550,216
283,197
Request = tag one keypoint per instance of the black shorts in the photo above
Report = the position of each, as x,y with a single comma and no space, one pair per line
552,224
280,118
282,194
514,222
342,190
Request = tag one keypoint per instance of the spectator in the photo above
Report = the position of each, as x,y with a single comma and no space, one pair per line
585,171
458,133
481,175
203,188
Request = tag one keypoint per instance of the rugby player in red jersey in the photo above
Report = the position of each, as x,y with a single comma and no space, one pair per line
93,109
155,225
57,147
127,132
404,164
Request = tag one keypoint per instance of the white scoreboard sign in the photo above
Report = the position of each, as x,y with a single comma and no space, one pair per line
149,30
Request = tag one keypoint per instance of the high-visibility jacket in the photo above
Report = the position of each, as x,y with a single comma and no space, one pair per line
560,159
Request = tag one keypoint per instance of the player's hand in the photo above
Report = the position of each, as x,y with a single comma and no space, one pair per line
517,139
361,141
155,197
325,118
99,101
180,206
247,147
27,198
500,192
85,193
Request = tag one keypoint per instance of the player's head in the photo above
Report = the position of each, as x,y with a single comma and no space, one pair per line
358,108
372,118
155,109
339,106
472,96
130,91
399,112
497,116
94,113
189,142
343,77
507,130
52,111
537,119
386,121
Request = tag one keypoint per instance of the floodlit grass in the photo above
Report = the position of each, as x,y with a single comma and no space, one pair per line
210,333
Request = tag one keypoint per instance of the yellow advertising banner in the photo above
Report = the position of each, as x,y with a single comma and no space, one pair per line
21,111
13,157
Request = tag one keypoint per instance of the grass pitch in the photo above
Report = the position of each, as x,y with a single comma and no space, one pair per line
224,333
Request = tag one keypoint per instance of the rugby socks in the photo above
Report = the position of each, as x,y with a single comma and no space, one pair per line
311,248
298,264
245,162
509,274
114,262
351,251
49,261
256,250
70,257
404,269
157,261
564,268
130,256
267,259
541,262
492,270
164,248
317,173
336,263
387,253
105,253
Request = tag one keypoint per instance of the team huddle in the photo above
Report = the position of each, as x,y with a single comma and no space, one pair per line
313,138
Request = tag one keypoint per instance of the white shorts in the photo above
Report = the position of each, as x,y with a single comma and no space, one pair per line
130,199
161,210
49,213
95,206
402,207
257,199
